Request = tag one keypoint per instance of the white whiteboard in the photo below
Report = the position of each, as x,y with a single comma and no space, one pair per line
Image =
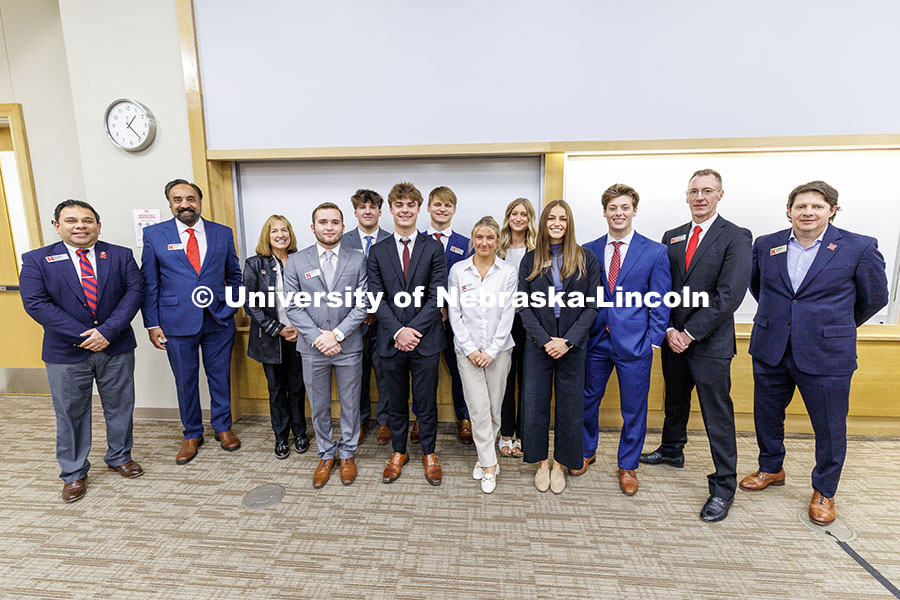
756,186
305,74
483,186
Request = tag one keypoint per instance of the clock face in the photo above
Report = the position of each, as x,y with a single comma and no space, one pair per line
130,125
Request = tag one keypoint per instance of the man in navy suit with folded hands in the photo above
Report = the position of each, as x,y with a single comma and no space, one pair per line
85,293
815,285
186,264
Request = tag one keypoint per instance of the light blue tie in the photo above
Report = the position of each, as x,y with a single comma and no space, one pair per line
368,244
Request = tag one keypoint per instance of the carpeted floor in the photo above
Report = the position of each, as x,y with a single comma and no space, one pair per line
181,532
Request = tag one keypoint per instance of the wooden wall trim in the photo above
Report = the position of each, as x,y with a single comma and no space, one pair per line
13,113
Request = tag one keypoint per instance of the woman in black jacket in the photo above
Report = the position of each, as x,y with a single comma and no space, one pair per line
273,341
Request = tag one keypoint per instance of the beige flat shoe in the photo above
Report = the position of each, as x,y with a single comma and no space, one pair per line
542,480
557,481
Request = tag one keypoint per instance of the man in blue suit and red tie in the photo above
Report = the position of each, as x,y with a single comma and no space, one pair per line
624,336
186,264
85,293
815,285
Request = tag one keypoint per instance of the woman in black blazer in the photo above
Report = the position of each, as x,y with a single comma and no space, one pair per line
273,341
555,345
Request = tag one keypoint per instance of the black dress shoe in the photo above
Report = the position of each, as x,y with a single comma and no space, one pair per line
301,444
282,450
657,458
715,509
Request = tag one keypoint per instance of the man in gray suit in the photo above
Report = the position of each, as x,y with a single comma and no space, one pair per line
329,336
367,210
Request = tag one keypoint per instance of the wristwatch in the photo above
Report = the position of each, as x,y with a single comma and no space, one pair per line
569,345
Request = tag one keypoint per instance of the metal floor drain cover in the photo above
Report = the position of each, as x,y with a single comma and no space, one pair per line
838,529
265,496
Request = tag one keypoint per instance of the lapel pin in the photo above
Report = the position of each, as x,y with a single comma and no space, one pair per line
831,246
263,271
102,254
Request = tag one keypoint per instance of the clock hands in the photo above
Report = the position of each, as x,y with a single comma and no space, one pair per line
128,125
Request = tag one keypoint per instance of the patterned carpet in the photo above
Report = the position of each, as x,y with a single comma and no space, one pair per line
181,532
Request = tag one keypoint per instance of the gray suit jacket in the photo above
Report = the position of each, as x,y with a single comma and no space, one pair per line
304,274
351,238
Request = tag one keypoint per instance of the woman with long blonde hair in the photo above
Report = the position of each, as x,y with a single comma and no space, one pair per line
555,345
517,236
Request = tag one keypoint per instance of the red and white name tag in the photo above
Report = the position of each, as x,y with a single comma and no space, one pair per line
56,258
311,274
175,247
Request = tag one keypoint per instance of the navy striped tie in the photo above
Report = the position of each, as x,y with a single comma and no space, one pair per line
88,280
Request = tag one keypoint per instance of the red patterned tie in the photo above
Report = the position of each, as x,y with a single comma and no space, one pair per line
438,236
692,247
405,259
193,250
614,264
88,279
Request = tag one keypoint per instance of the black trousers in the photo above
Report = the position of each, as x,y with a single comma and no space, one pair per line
511,411
371,362
397,371
287,402
712,378
566,375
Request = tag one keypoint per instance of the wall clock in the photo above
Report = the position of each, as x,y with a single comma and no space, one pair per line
130,125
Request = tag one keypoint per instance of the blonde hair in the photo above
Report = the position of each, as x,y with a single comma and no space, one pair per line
264,246
572,253
506,231
489,222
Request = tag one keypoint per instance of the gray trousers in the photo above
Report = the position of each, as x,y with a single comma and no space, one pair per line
317,370
71,386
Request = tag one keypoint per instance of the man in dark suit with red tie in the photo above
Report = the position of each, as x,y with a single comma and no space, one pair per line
710,255
85,293
815,285
187,263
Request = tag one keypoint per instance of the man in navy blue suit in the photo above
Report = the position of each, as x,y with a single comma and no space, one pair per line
186,264
442,207
367,210
624,336
815,285
85,293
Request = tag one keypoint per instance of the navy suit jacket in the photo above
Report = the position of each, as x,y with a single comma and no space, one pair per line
427,269
634,330
52,294
457,250
845,286
169,278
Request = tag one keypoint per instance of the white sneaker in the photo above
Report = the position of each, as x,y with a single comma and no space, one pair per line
489,481
478,471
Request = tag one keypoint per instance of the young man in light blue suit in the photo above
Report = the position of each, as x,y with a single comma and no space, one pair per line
624,336
329,336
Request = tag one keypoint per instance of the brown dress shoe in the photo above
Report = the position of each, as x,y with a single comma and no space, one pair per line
432,469
414,433
587,462
362,434
228,440
760,480
74,490
383,436
628,482
465,431
821,509
188,450
348,471
323,473
129,470
394,466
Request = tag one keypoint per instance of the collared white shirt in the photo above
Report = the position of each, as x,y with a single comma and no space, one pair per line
338,334
412,241
514,256
362,238
76,260
445,235
623,249
199,233
704,227
485,326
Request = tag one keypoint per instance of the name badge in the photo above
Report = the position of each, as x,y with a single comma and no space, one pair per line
678,238
457,250
468,287
311,274
175,247
57,257
778,250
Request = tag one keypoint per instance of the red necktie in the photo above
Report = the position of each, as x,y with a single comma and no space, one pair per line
692,247
614,265
193,250
438,236
88,279
405,259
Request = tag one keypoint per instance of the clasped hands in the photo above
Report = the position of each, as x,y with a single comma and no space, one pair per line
327,343
556,347
678,340
95,341
481,359
407,339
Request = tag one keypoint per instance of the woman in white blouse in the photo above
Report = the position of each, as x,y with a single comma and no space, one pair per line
482,340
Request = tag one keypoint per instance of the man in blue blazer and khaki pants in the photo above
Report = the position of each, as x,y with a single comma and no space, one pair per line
815,285
186,264
624,336
85,293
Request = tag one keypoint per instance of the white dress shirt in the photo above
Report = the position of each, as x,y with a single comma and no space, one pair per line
362,238
338,334
412,242
623,250
514,256
704,227
76,260
199,233
479,327
445,235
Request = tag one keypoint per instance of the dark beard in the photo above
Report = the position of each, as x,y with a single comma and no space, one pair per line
188,217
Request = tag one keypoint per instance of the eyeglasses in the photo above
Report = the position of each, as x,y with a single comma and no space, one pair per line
706,192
